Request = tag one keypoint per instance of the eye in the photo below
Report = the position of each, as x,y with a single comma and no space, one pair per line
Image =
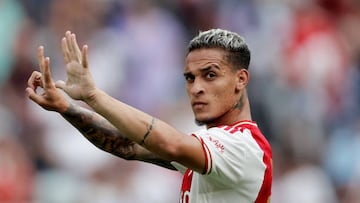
210,75
189,78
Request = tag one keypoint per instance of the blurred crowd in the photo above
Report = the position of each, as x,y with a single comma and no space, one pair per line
304,93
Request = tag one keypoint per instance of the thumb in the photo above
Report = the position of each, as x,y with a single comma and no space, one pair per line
60,84
33,96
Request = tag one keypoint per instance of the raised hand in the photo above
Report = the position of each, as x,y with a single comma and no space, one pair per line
51,98
79,84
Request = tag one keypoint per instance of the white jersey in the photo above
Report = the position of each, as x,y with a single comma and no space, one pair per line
238,166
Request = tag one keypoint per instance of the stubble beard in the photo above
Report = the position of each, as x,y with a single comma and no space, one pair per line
237,105
204,122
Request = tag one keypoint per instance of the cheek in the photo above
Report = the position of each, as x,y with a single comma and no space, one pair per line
223,99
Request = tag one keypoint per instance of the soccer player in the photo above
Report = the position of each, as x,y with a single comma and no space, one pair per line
228,161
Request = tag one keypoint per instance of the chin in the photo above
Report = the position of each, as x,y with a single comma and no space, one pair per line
203,121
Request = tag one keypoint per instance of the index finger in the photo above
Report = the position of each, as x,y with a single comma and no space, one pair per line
47,73
44,68
41,58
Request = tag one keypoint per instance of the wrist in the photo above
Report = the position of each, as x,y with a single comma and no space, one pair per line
92,97
63,107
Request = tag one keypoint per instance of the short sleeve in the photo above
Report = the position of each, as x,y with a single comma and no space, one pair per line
231,157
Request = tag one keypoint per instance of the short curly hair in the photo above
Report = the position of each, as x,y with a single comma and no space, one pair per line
235,45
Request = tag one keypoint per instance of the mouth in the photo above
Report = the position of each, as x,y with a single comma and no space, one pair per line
198,105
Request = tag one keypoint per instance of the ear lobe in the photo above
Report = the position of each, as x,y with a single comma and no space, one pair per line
242,79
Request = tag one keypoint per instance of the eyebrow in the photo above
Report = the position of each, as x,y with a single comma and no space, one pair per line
204,69
209,67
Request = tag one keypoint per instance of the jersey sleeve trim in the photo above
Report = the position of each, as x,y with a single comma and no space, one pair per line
208,158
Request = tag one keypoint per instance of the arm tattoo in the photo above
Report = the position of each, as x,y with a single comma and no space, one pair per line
100,132
150,127
105,136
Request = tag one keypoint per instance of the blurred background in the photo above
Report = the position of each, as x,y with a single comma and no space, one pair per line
304,93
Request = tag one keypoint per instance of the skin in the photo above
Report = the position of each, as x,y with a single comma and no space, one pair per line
217,92
214,89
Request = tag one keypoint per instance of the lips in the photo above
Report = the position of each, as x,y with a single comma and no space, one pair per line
198,104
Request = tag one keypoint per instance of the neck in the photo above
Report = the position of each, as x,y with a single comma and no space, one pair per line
240,111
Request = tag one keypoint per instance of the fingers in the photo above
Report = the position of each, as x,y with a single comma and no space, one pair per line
41,62
35,80
44,63
67,47
41,57
85,56
75,48
65,50
47,73
33,96
69,44
70,48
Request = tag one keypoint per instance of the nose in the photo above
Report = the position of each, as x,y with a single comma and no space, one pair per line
196,88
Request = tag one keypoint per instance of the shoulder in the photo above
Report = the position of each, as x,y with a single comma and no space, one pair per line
239,127
234,130
243,136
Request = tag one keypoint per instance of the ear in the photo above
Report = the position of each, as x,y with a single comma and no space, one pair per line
243,77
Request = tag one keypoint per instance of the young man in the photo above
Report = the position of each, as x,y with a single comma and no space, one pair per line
229,161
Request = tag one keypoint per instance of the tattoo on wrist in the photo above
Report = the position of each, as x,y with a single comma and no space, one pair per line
150,127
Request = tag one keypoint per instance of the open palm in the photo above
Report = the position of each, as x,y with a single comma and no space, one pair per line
79,84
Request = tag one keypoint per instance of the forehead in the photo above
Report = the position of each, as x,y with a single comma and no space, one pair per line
202,57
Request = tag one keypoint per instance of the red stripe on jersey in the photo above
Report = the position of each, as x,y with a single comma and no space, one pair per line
186,186
188,175
208,159
235,129
237,126
245,122
227,128
265,190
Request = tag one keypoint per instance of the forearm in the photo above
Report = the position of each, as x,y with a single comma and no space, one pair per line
105,136
99,132
134,124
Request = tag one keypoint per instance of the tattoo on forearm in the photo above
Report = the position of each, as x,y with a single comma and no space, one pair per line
100,132
105,136
150,127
